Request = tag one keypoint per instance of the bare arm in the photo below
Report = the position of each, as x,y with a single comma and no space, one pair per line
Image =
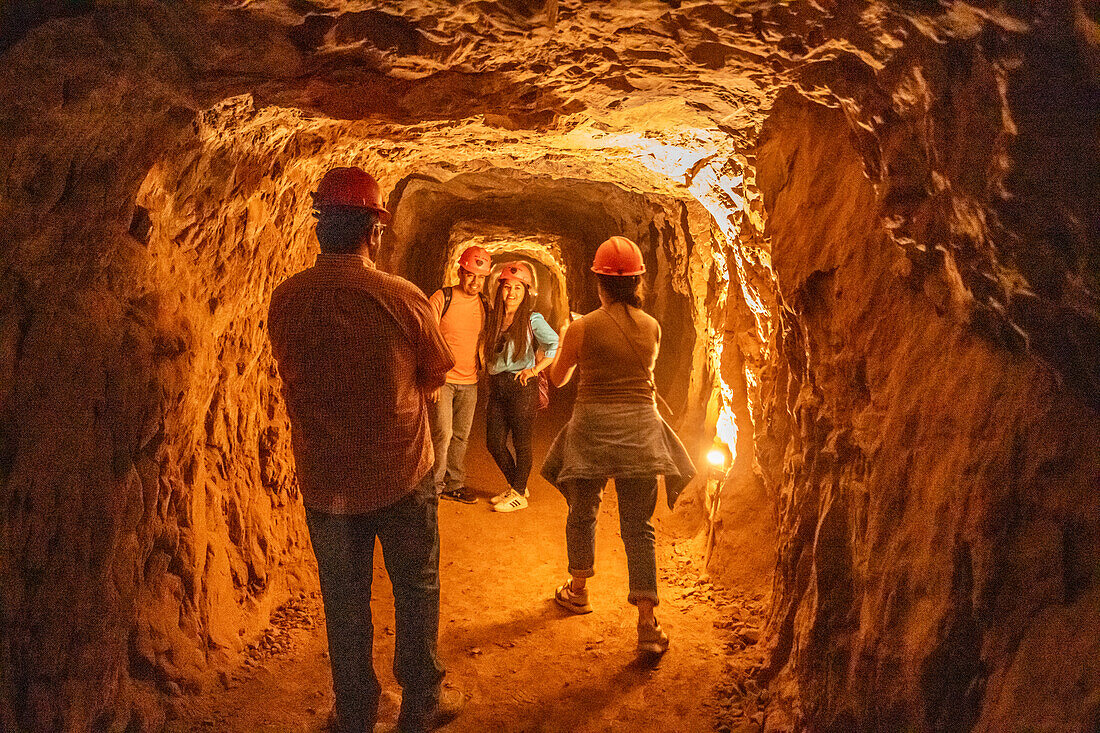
569,350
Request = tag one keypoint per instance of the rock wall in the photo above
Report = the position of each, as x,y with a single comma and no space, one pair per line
91,373
931,426
148,484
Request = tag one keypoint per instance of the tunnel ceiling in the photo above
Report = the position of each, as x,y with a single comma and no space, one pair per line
655,94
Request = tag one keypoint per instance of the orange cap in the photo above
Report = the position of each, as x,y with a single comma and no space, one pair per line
518,271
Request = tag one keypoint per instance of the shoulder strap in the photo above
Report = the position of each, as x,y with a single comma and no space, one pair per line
629,341
447,291
641,362
446,301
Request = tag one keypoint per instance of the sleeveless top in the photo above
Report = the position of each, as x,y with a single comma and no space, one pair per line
613,369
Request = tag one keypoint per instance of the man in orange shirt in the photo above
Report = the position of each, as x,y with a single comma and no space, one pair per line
461,313
359,352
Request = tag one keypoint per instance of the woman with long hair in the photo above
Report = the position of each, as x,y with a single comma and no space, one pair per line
615,432
513,337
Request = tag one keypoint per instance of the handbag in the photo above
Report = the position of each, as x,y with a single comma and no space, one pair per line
544,391
544,381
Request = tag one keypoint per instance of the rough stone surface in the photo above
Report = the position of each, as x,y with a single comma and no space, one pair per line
930,419
878,218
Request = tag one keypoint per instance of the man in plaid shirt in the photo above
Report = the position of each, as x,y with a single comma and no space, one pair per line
358,352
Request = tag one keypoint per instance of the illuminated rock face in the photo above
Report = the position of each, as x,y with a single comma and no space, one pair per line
879,221
932,421
939,507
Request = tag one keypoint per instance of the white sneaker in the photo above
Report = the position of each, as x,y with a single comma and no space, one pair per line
502,496
511,503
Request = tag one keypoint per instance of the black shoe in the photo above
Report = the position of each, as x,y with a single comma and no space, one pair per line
459,495
450,704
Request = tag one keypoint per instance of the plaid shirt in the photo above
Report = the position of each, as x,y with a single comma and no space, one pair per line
357,349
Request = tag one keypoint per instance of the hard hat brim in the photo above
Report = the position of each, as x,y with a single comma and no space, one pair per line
602,271
475,272
383,215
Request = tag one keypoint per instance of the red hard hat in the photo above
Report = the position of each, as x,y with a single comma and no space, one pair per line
352,187
518,271
618,256
476,260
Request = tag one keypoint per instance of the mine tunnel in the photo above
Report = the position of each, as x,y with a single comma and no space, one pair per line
870,238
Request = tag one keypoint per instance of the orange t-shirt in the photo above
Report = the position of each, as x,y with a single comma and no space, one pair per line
461,326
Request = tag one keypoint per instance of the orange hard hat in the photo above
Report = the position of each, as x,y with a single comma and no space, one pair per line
618,256
518,271
476,260
351,187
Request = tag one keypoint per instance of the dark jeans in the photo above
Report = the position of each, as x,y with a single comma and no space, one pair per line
511,412
344,547
637,500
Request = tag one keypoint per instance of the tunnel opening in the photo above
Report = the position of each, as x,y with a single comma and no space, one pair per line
874,261
542,251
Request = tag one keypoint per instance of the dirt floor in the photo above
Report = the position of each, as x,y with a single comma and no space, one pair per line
524,663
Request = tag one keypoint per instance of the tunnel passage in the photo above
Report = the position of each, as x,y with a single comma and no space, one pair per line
571,217
886,244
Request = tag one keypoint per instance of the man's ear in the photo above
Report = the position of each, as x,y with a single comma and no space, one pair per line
374,241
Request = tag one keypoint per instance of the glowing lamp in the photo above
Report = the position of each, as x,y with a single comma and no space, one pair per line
716,457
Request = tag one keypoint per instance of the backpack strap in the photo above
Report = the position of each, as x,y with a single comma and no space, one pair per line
447,293
446,301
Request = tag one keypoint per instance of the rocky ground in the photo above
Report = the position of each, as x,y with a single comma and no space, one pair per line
525,664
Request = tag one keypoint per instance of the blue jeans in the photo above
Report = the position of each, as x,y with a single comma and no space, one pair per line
344,547
451,417
510,411
637,500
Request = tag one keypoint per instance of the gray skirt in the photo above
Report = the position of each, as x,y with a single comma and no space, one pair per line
618,440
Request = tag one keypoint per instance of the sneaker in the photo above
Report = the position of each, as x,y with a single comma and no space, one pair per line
652,639
511,503
460,495
571,600
501,496
451,702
